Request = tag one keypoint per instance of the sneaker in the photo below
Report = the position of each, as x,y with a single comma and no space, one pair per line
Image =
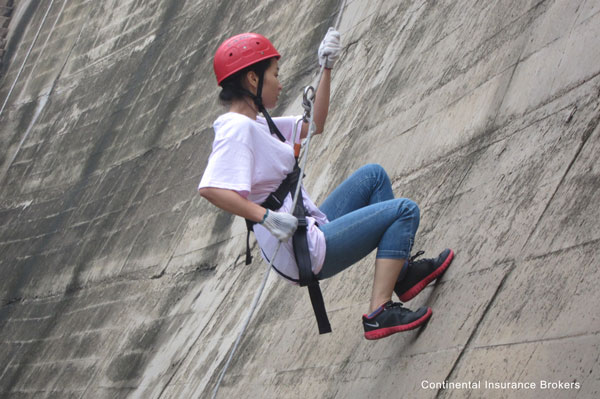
391,318
421,273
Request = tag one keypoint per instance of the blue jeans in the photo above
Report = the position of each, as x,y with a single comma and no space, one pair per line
364,215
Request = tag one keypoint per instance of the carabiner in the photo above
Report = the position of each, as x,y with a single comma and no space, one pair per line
307,102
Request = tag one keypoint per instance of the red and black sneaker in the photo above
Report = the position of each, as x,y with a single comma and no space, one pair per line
421,273
391,318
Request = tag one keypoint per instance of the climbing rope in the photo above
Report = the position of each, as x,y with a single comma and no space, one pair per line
307,103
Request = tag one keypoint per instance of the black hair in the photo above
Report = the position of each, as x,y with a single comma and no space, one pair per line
232,88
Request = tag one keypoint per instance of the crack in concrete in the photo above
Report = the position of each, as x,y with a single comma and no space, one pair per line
592,127
587,377
179,233
457,187
541,340
139,275
190,349
211,245
469,145
343,364
550,254
476,327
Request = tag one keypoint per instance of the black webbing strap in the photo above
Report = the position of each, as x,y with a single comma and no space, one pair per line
307,277
272,127
249,225
273,202
318,304
257,98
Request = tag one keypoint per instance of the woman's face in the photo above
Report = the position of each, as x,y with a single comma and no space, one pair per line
271,85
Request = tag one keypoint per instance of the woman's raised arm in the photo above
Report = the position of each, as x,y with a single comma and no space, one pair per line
329,52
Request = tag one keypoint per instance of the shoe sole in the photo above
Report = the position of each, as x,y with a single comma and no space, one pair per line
385,332
410,294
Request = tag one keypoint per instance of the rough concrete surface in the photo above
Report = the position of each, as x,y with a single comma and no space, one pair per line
119,281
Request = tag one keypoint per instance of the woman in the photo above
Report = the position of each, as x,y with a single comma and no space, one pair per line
252,155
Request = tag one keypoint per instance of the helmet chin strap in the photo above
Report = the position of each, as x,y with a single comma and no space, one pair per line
257,98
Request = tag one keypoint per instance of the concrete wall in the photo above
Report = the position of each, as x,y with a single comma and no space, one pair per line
6,8
119,281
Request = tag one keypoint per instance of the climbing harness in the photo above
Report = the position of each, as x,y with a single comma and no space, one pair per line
308,103
290,185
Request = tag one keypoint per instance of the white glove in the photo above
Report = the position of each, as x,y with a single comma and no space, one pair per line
282,225
330,48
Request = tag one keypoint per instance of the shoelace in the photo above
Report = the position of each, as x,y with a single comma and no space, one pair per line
398,305
415,256
411,261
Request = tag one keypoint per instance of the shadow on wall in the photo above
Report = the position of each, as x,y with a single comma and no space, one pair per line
111,133
9,45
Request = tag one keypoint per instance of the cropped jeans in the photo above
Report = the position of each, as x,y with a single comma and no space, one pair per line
364,215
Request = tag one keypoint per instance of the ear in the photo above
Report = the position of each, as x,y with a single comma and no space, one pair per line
252,81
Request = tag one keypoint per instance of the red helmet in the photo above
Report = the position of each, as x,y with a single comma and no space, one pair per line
240,51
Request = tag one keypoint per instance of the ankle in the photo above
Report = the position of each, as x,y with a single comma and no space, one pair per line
378,304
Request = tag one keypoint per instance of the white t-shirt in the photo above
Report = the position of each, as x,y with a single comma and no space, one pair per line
247,159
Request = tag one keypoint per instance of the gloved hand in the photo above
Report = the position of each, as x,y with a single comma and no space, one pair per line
330,48
282,225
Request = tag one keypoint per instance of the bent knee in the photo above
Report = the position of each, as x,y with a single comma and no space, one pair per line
374,170
410,207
